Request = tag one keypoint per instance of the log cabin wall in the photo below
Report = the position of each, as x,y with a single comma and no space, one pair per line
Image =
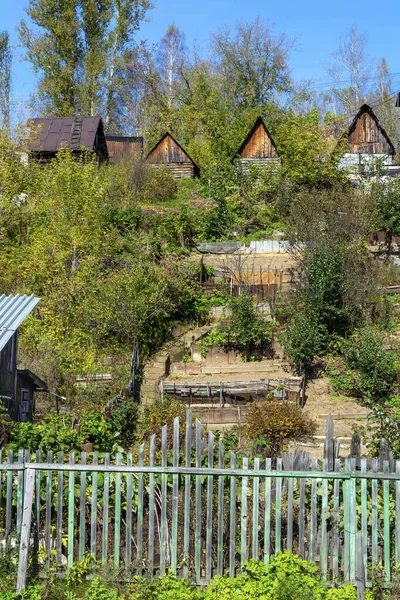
169,154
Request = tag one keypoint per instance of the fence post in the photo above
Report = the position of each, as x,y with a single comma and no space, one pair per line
25,530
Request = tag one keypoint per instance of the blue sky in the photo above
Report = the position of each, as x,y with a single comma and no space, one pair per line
317,26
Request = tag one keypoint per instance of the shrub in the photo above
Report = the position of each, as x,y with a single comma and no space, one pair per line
373,367
303,339
162,412
95,429
271,424
165,588
159,185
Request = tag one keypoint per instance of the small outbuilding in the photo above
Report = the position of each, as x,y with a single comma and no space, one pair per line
45,137
258,148
366,140
123,148
17,386
169,153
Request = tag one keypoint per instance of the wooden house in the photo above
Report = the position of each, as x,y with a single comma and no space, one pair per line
366,141
45,137
123,148
169,153
17,386
258,148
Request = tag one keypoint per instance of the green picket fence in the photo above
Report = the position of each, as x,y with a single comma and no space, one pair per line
188,506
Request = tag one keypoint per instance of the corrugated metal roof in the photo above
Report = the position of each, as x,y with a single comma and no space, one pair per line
13,310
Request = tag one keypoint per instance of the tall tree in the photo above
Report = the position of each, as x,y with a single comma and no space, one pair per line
349,72
5,78
80,49
171,58
253,61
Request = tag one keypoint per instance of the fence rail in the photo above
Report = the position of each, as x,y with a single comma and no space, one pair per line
187,504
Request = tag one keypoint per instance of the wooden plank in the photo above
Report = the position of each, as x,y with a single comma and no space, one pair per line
106,505
336,539
60,483
82,510
117,513
25,530
302,500
20,493
139,561
93,520
209,517
71,511
151,507
313,515
175,499
386,522
364,515
37,503
198,505
374,530
278,507
128,522
232,519
324,511
163,520
352,521
267,516
243,516
220,542
289,543
397,534
9,494
48,510
187,511
256,500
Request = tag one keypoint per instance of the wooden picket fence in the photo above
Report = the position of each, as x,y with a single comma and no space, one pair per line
189,506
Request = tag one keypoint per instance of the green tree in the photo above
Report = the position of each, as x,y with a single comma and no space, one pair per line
304,337
373,367
246,328
81,49
5,78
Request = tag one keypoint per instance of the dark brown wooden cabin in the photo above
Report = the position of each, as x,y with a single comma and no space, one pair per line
170,154
367,136
258,148
123,148
17,386
47,136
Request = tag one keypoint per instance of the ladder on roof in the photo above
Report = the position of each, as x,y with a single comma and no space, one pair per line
76,131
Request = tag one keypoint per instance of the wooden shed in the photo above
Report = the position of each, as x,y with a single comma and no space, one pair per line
124,148
367,139
170,154
17,386
45,137
258,148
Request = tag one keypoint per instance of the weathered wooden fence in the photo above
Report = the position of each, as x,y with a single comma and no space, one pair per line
187,504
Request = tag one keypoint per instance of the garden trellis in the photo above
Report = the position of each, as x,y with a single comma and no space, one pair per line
186,504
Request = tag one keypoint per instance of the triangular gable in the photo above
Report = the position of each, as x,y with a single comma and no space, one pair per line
171,153
357,134
259,143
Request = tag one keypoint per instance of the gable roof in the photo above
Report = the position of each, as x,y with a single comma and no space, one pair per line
166,135
13,311
259,121
48,135
365,108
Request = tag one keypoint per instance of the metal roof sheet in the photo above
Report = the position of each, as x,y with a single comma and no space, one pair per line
13,311
52,134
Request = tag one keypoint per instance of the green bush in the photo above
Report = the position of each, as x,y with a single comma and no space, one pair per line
303,339
165,588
